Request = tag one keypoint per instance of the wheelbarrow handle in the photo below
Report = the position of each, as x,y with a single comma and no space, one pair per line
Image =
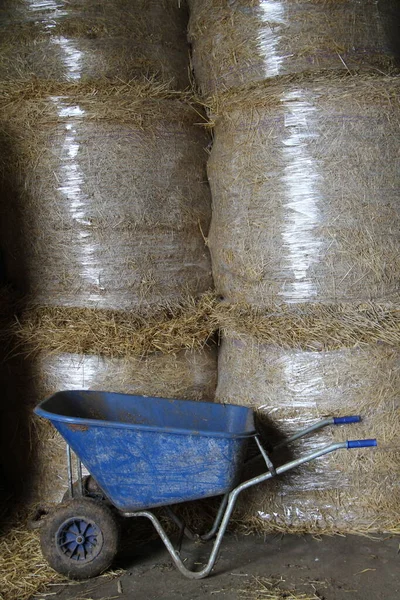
316,426
361,443
346,420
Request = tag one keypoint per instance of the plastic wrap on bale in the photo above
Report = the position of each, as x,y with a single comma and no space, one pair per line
105,198
117,39
304,177
290,388
245,41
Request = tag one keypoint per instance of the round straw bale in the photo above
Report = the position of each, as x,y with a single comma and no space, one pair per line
79,40
188,375
105,197
243,41
304,177
293,388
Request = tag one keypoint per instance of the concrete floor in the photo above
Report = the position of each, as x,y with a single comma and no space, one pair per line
333,568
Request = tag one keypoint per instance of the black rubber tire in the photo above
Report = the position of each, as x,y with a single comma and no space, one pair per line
103,547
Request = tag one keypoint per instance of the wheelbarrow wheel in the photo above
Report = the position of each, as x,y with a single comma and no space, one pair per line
80,538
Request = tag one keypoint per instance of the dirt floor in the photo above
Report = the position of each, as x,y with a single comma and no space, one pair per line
331,568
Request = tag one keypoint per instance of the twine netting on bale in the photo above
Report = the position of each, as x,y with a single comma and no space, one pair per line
245,41
105,197
292,388
304,177
80,40
189,375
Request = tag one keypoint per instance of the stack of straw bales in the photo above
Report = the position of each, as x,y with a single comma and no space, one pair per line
240,42
121,39
304,237
104,208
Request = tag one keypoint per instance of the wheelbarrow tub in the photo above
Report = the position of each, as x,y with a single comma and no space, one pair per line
146,452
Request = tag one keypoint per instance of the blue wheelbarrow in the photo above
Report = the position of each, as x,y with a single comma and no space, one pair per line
143,453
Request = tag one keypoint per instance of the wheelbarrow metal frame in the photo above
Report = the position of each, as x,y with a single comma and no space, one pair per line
229,500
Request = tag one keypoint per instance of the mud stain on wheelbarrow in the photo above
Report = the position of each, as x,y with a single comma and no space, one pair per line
75,427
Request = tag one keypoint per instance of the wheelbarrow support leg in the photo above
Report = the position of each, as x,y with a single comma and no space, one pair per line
194,536
231,504
70,474
221,511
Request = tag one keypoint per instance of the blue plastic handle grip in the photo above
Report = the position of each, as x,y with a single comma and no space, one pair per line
343,420
361,443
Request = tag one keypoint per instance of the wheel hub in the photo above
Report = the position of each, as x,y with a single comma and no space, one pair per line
79,539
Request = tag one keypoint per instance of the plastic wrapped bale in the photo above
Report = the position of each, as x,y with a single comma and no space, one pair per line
291,389
187,375
245,41
304,178
94,40
105,200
